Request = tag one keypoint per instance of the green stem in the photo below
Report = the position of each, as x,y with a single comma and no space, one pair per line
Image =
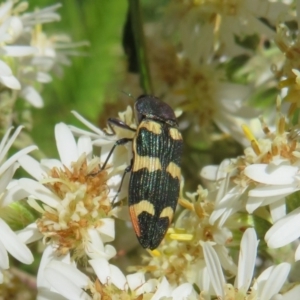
140,45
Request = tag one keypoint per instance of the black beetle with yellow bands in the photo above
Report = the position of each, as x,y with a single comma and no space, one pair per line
155,169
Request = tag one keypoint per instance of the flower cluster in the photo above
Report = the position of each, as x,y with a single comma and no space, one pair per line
236,236
28,55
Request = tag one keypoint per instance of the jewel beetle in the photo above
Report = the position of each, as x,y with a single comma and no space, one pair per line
155,168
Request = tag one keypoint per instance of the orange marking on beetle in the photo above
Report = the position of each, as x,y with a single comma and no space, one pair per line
175,134
136,209
174,170
134,221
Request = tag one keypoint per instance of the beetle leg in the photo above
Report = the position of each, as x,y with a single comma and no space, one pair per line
127,170
119,123
117,143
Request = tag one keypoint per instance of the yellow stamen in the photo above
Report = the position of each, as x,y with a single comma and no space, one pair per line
218,20
286,82
281,125
186,204
255,147
155,253
170,230
181,237
278,103
249,135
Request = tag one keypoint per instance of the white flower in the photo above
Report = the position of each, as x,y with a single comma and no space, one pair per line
9,241
229,196
72,284
33,54
11,28
121,156
41,16
265,175
76,210
200,89
218,23
266,286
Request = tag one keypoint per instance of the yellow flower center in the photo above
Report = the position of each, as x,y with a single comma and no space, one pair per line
83,193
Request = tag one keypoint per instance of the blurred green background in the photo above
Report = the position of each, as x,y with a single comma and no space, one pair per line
86,82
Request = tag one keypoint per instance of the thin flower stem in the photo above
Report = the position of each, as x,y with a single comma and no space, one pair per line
140,45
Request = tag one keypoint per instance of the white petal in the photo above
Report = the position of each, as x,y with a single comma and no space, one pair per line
209,172
15,193
67,280
5,8
4,262
84,121
5,70
183,291
164,290
271,286
247,258
148,287
51,163
39,191
85,146
15,157
108,273
297,253
223,169
10,81
43,77
214,268
101,268
32,96
18,51
66,144
284,231
277,190
32,167
226,205
278,210
46,294
225,259
7,142
107,229
16,26
268,174
95,248
6,177
204,282
117,277
48,256
14,245
254,202
29,234
135,282
81,132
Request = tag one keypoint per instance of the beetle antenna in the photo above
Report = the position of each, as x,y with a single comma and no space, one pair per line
127,94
